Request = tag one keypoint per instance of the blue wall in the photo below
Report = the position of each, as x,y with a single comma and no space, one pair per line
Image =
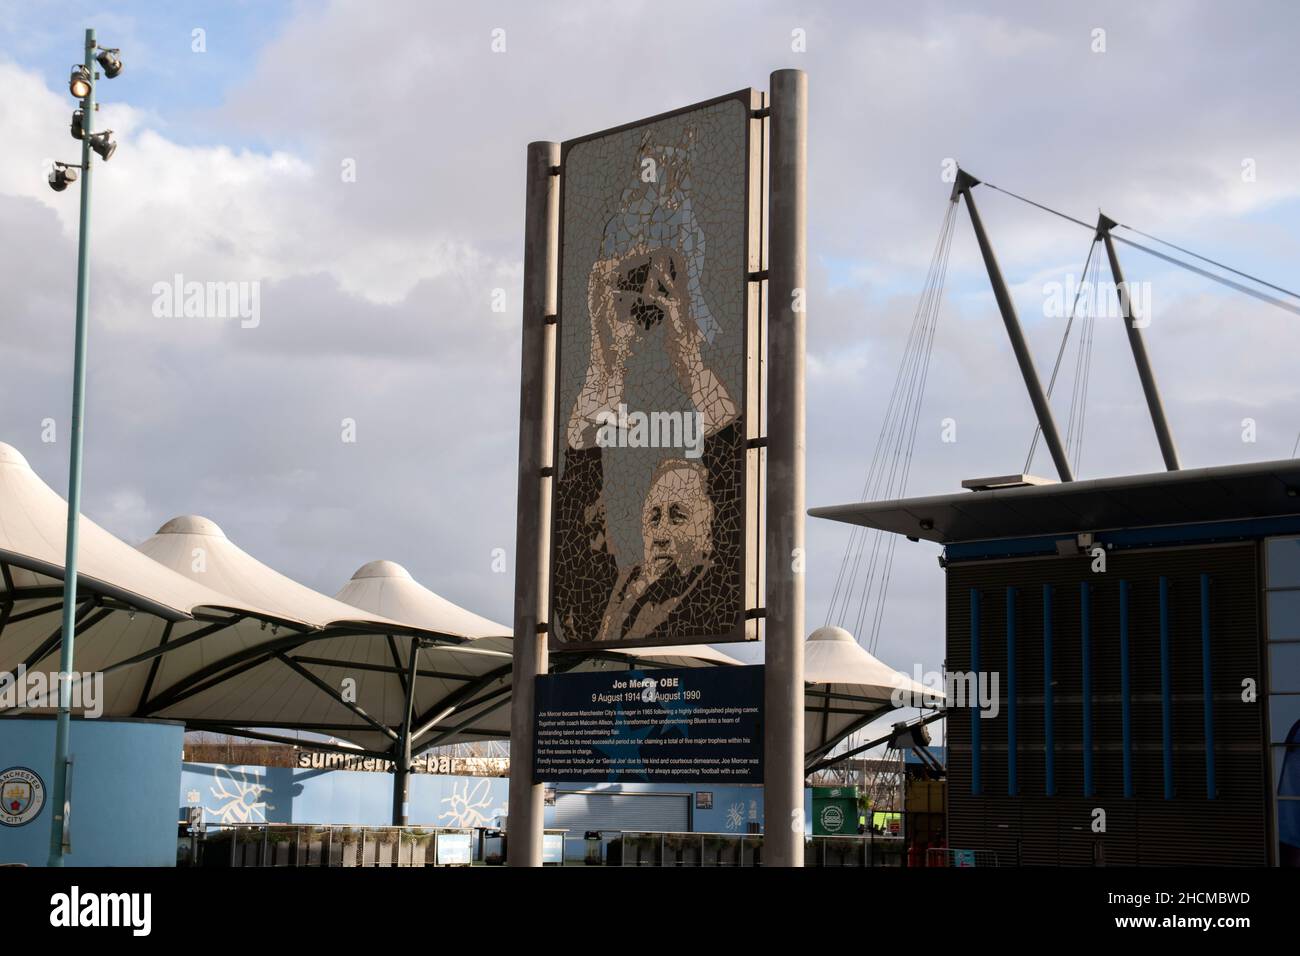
124,807
288,795
249,794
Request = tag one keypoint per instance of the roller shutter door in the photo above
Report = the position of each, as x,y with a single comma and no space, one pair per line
582,811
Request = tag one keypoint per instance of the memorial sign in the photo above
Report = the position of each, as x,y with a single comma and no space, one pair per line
664,725
650,512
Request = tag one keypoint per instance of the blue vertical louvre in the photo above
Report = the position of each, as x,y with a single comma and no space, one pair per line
975,782
1085,640
1125,694
1207,687
1049,730
1012,750
1166,692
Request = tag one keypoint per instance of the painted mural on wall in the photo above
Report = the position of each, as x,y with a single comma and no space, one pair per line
360,798
649,513
237,797
469,804
741,814
248,794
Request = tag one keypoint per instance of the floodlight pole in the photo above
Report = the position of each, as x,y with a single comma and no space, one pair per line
63,725
783,685
532,531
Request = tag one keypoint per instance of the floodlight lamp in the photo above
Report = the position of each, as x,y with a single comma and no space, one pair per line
79,82
61,175
103,144
110,61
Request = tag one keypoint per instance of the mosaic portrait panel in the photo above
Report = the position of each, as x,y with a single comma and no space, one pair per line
649,507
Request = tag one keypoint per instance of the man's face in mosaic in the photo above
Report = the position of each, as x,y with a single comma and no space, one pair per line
677,521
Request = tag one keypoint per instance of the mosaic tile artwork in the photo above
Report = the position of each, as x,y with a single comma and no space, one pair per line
648,536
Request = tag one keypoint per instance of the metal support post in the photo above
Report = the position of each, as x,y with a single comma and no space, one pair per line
1018,345
532,532
783,692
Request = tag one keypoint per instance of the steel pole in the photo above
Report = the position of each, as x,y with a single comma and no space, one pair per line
1168,450
63,723
783,688
1042,408
532,530
402,748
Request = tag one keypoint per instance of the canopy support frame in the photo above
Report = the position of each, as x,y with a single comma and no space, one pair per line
329,691
402,748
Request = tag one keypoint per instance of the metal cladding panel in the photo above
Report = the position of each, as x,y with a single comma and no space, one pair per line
655,812
1040,842
1034,828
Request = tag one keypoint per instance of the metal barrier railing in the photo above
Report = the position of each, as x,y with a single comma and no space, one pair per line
948,856
286,844
296,845
647,848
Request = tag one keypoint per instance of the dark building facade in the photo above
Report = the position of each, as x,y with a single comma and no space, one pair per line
1139,639
1123,732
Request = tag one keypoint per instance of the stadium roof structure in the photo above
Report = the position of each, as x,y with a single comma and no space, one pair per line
346,675
190,627
483,702
848,688
131,611
1225,493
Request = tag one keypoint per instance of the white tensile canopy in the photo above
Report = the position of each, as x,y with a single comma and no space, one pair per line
207,634
468,702
191,627
847,689
347,677
387,588
128,606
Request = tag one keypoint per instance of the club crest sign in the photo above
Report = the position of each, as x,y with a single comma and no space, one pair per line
22,796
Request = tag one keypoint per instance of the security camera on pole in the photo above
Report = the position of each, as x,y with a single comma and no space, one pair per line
81,84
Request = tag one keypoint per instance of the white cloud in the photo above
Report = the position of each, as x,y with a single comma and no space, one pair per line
376,293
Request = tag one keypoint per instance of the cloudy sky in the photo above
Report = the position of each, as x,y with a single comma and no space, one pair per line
238,121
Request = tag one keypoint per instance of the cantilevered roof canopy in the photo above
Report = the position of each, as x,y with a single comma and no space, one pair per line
1225,493
848,689
472,706
481,703
346,675
212,637
191,627
387,588
33,527
128,606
